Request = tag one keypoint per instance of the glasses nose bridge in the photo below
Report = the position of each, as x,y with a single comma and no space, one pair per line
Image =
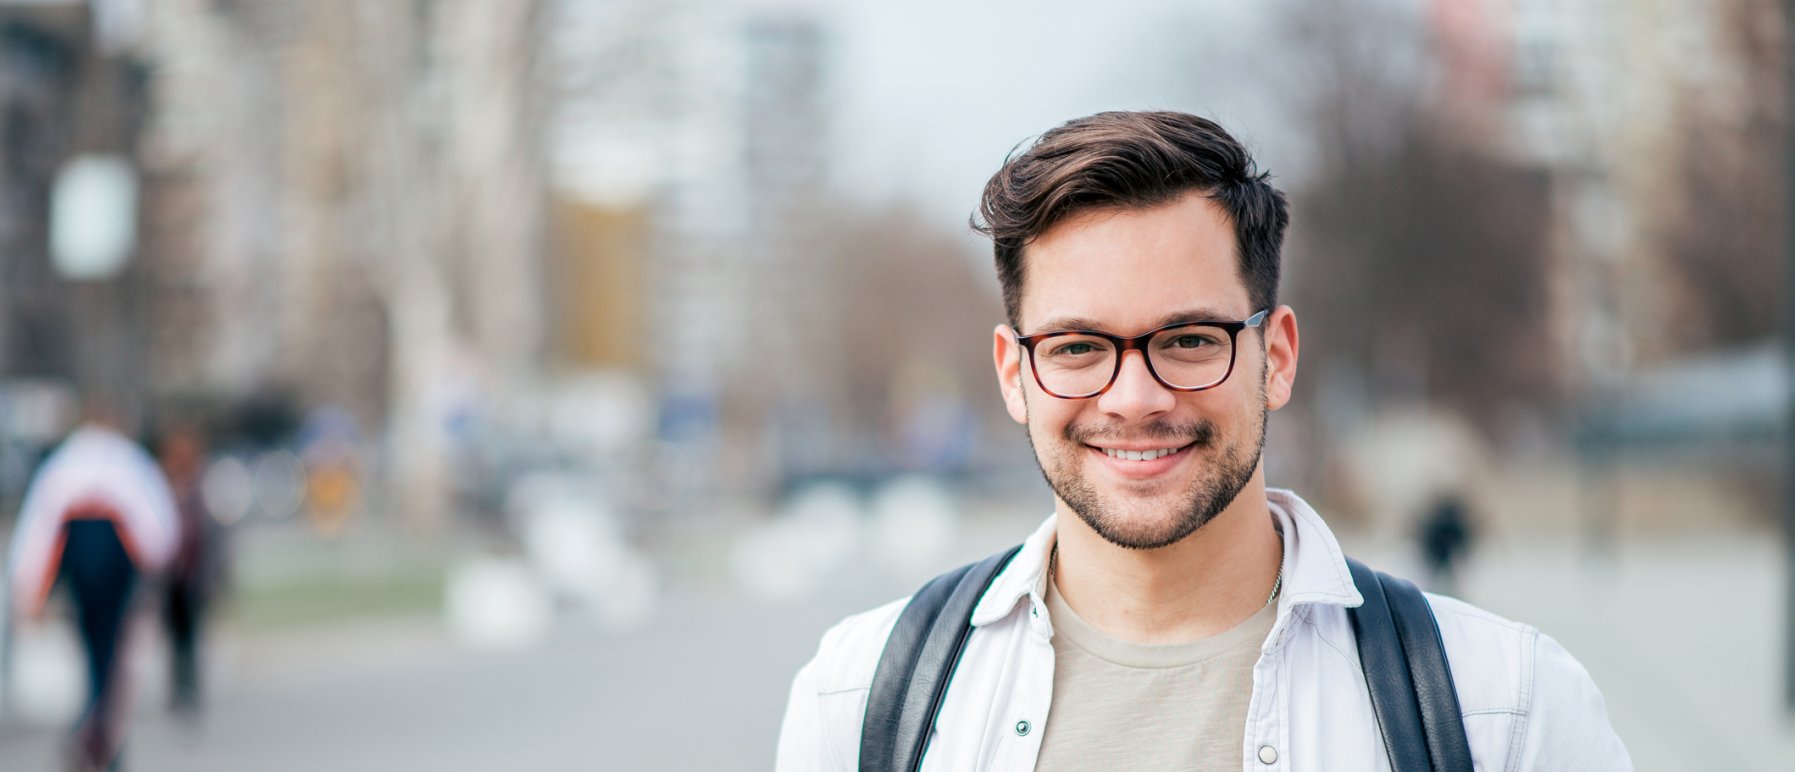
1138,345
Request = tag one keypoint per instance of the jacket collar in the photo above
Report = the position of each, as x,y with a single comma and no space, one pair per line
1314,567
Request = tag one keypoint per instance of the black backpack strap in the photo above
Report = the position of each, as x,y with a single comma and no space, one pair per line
1387,673
1441,719
918,662
1405,665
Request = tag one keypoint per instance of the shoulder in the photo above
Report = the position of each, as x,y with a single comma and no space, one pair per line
849,651
1491,657
1503,667
1490,649
823,713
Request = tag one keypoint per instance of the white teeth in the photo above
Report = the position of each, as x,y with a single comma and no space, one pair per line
1139,455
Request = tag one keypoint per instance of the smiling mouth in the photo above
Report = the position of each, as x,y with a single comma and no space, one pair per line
1141,455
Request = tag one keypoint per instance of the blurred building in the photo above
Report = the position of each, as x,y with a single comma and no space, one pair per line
554,223
1599,96
352,209
1660,128
67,93
71,93
696,130
711,118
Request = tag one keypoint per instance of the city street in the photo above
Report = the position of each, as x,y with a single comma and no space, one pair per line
1681,636
701,689
528,385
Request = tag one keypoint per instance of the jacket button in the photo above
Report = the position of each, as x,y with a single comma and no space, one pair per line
1022,729
1268,754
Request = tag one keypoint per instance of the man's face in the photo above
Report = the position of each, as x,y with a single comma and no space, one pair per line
1126,273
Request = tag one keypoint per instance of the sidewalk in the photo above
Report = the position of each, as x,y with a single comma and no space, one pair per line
703,686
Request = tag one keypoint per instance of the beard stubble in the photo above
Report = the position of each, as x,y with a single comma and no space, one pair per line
1206,497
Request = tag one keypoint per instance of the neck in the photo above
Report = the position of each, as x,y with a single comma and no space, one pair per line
1206,583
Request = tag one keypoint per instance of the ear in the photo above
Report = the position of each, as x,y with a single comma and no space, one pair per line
1280,357
1006,354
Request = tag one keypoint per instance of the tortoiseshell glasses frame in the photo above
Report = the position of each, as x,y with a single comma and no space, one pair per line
1120,346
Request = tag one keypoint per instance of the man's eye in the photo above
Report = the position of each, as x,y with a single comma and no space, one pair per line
1073,349
1192,341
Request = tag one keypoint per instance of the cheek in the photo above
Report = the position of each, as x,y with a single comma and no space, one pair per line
1231,417
1246,408
1048,418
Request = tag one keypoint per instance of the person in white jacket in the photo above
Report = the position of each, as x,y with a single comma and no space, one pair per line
97,517
1173,612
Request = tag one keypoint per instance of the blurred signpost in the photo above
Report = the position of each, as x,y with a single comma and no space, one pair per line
1788,422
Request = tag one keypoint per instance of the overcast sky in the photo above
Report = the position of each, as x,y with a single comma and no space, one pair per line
930,94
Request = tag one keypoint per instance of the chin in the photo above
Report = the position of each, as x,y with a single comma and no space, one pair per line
1147,537
1140,525
1146,515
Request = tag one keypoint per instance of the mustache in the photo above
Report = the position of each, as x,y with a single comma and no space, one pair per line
1199,432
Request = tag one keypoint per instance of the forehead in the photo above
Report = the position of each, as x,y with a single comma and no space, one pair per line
1127,269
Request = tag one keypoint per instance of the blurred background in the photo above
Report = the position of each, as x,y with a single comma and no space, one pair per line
565,368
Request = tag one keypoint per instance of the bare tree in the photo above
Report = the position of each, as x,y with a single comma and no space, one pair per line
910,317
1419,252
1726,229
373,186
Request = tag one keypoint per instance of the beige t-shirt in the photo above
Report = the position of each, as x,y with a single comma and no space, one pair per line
1122,705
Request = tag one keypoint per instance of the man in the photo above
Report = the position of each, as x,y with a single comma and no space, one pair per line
97,517
1173,613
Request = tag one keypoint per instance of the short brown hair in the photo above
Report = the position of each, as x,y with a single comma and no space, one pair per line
1132,160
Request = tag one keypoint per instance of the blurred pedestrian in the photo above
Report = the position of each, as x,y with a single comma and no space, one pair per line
1174,611
1445,536
196,570
97,518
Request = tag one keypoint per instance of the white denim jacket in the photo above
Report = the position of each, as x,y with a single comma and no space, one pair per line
1527,704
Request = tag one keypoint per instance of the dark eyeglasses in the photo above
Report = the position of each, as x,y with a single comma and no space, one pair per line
1187,356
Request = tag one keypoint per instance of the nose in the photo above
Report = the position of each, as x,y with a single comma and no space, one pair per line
1136,393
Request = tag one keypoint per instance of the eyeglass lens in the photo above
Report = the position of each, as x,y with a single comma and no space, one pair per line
1190,357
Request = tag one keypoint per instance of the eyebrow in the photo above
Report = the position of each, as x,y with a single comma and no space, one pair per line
1188,316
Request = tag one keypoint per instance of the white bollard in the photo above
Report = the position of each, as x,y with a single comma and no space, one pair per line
495,603
915,522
